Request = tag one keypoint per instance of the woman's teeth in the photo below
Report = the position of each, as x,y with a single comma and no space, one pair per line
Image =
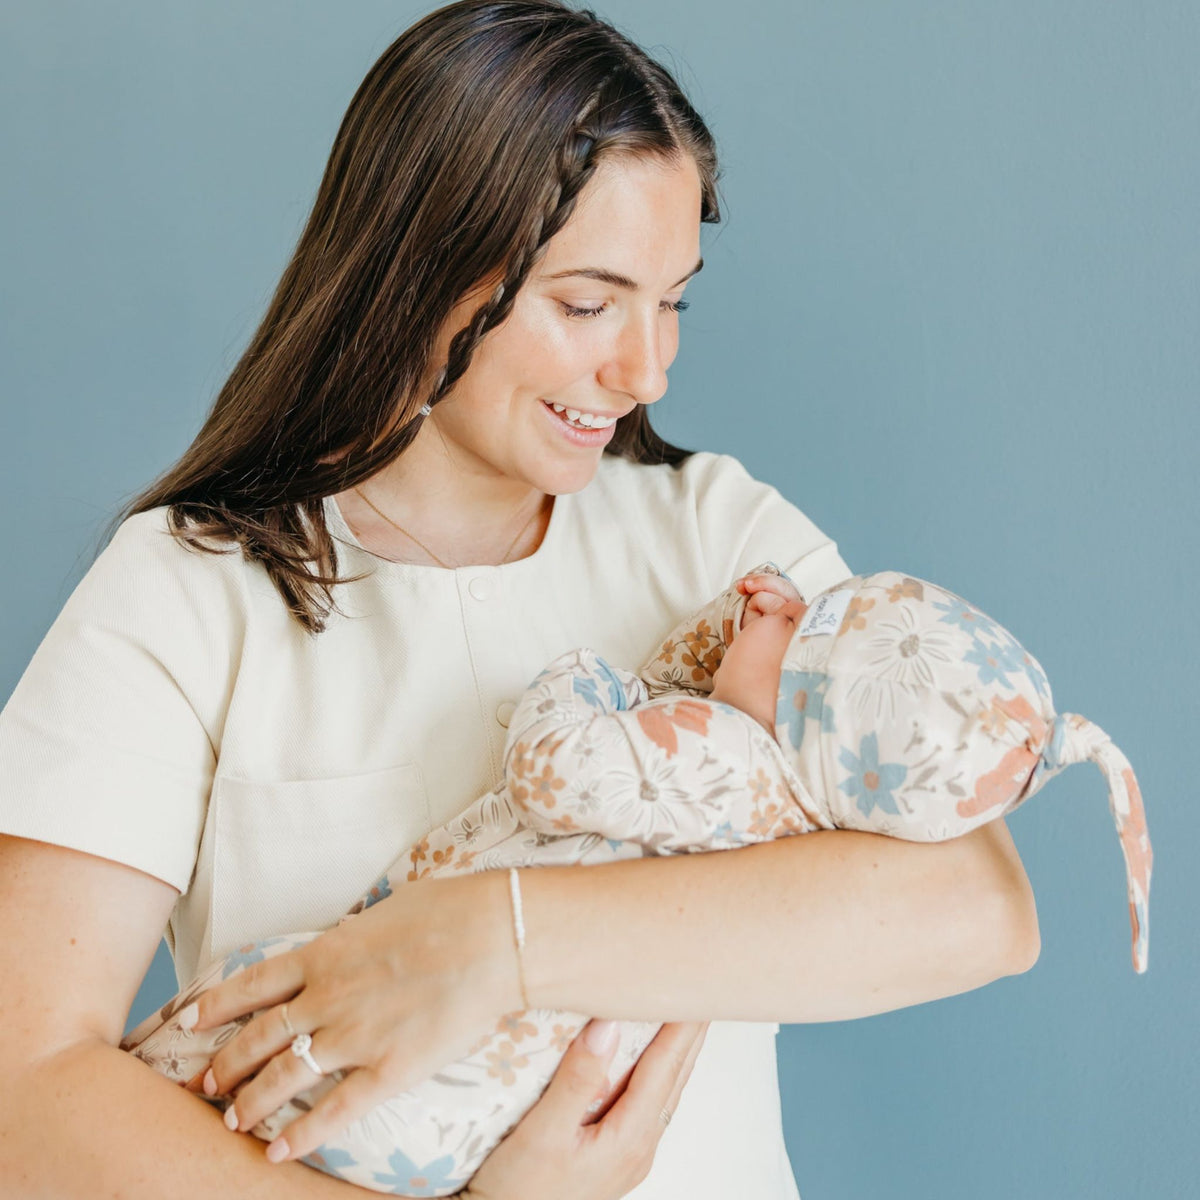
582,420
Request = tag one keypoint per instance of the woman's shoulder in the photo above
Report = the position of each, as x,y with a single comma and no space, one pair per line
713,485
146,576
711,502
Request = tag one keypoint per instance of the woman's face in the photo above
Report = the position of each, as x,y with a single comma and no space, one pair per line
639,219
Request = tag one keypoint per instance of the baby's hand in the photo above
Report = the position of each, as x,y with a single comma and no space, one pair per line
768,594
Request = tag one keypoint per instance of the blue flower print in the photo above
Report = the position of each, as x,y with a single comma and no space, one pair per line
243,956
407,1179
725,833
1036,676
330,1159
871,781
588,688
379,890
968,619
994,662
802,698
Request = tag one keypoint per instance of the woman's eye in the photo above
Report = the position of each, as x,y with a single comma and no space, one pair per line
571,311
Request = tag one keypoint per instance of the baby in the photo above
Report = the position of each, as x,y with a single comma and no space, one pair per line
888,705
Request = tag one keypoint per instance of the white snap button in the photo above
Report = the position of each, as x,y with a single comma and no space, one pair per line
479,588
504,712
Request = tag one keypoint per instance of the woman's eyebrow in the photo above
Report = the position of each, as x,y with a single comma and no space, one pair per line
621,281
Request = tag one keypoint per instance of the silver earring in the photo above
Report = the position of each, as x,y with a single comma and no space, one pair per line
425,410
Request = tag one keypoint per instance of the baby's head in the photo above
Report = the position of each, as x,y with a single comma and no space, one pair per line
902,709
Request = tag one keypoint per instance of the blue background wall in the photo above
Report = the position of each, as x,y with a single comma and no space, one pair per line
957,281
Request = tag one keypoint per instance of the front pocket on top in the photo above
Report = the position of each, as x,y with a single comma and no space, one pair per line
294,855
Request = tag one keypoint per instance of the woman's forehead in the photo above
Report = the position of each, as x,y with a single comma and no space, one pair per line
637,222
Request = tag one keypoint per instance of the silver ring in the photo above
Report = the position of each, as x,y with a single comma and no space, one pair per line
664,1117
301,1044
286,1023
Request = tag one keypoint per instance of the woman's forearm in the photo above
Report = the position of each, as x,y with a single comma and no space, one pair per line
822,926
91,1120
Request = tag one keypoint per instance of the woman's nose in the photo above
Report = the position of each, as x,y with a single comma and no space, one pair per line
638,364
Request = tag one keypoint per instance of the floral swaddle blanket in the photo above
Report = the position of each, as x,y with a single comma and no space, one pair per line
901,710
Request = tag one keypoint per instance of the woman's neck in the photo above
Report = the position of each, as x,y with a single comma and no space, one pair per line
468,522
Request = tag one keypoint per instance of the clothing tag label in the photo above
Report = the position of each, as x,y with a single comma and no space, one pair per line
825,616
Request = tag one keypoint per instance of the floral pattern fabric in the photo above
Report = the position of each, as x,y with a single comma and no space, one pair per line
919,718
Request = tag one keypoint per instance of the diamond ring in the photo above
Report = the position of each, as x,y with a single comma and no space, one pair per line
301,1044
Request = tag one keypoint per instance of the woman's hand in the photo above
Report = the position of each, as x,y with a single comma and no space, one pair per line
391,994
552,1152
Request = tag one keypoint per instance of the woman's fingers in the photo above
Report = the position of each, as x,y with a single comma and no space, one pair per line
284,1076
657,1081
271,981
255,1044
685,1072
359,1092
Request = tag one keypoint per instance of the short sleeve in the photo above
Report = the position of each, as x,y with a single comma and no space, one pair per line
744,522
109,742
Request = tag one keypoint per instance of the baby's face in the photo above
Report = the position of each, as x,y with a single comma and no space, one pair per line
748,677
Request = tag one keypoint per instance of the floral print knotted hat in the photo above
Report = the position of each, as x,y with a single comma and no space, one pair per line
917,716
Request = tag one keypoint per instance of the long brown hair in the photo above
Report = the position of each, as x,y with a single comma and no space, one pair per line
461,155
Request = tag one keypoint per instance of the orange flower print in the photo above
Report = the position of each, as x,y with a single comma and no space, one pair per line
658,721
906,588
776,820
760,785
505,1063
667,650
418,852
1134,836
703,653
520,762
562,1038
762,820
465,859
994,789
565,824
854,614
516,1025
543,787
537,789
993,719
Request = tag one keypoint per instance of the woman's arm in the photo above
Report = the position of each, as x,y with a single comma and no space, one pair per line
823,926
815,927
78,1117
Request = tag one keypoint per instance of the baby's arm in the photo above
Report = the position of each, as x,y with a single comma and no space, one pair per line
689,656
588,752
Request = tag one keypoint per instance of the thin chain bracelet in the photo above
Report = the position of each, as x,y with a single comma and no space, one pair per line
514,891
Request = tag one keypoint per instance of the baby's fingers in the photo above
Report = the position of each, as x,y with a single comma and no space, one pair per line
777,584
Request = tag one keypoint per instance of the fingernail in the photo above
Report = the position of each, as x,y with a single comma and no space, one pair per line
210,1083
278,1150
601,1036
231,1121
189,1017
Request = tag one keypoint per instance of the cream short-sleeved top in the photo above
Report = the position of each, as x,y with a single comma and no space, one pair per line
175,718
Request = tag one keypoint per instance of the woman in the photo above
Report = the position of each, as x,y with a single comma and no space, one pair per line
230,737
